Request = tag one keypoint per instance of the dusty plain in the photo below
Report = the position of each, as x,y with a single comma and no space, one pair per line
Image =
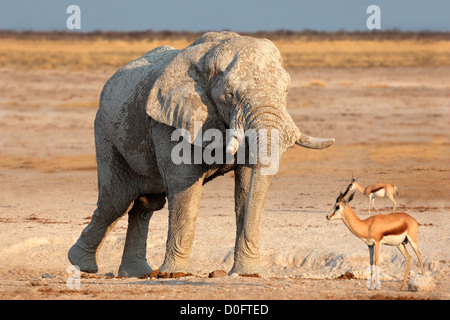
390,122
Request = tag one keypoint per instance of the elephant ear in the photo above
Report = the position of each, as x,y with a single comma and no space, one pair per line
179,97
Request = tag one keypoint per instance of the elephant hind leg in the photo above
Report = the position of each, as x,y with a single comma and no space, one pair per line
134,261
115,199
84,252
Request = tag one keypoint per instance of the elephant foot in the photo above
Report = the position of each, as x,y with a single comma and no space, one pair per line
84,259
137,268
243,268
173,267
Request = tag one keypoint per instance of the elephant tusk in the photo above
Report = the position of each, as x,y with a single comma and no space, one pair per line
314,143
232,146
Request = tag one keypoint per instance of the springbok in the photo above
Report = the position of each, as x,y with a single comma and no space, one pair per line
378,190
394,229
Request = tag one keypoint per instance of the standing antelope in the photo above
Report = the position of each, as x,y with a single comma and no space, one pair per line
394,229
378,190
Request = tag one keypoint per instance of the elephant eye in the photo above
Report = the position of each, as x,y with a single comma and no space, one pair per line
229,93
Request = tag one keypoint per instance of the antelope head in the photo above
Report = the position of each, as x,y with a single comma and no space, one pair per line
340,204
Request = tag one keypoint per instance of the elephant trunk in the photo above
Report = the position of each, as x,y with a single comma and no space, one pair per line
259,124
262,126
273,131
246,256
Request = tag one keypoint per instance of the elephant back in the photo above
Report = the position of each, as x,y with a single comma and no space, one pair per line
121,113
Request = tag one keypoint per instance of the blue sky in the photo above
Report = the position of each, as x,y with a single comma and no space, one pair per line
235,15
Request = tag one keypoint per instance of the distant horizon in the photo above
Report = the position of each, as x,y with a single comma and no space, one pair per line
235,15
277,31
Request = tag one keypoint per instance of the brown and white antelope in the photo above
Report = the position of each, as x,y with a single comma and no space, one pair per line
378,190
394,229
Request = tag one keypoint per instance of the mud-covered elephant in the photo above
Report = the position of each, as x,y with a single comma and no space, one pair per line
223,81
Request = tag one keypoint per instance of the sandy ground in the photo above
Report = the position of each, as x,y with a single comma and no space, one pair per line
390,124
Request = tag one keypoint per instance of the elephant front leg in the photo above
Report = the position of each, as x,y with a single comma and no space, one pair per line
183,184
183,210
250,194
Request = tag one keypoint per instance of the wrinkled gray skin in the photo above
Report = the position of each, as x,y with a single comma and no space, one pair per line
224,80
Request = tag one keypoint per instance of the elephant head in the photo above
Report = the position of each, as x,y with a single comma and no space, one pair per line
227,81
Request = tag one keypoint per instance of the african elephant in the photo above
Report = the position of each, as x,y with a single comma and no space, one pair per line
221,81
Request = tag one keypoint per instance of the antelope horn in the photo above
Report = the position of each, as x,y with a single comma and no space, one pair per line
314,143
346,191
339,198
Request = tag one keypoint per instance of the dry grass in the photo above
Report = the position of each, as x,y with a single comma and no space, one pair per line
365,53
81,54
321,50
317,83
